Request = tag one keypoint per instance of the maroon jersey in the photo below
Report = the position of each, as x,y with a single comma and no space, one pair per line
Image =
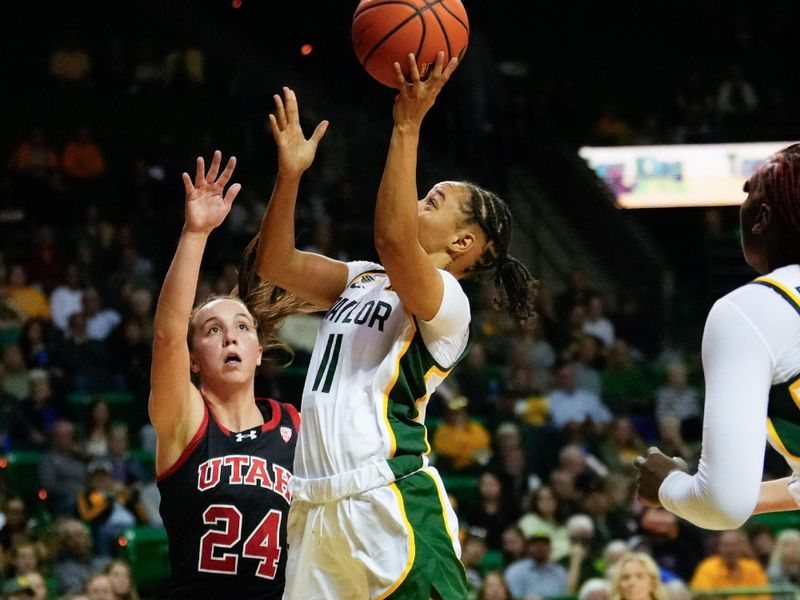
224,504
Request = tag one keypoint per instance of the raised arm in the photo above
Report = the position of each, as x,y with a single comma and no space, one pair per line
413,275
313,277
175,406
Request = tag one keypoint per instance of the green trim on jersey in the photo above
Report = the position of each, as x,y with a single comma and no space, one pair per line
436,565
402,410
783,409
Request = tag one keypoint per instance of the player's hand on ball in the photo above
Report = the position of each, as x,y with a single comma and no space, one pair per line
416,97
652,470
295,152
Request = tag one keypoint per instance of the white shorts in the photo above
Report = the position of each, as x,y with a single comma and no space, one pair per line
394,538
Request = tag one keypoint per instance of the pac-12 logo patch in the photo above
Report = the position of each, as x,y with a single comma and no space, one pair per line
286,434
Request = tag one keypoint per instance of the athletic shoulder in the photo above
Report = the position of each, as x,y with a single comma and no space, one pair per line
360,267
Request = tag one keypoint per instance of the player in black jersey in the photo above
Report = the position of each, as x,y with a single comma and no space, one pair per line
224,458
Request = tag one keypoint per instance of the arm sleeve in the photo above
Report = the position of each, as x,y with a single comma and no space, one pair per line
447,333
738,373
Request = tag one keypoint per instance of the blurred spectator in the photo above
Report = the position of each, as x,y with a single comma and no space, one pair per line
61,471
576,293
677,590
494,588
34,341
730,568
762,542
133,353
513,545
672,442
184,67
44,264
537,575
461,444
96,442
595,589
35,417
124,468
635,326
34,157
676,398
27,300
571,406
98,587
784,563
75,561
148,71
119,573
586,355
583,561
585,468
621,445
87,363
15,529
83,160
16,377
674,543
17,588
736,96
25,558
107,506
477,381
70,65
100,321
38,584
636,577
473,549
547,515
489,511
67,298
597,322
626,386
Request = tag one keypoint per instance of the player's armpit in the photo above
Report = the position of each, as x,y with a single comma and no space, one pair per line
417,282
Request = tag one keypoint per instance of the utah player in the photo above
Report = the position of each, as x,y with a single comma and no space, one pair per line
223,458
370,517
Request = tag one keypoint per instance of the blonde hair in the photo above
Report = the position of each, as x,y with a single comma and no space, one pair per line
659,592
784,537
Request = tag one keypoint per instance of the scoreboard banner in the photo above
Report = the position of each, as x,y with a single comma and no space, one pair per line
678,175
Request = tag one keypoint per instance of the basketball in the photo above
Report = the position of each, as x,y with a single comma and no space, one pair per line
387,31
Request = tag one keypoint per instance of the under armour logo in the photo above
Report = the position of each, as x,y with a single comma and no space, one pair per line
250,435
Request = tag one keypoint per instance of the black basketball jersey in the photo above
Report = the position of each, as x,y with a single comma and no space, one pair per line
225,503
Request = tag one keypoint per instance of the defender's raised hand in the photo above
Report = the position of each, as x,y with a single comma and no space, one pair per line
295,152
206,206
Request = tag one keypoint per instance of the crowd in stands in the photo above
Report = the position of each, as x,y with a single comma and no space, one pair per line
534,433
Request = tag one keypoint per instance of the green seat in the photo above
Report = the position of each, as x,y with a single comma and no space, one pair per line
147,459
119,405
463,487
146,550
491,561
21,473
777,521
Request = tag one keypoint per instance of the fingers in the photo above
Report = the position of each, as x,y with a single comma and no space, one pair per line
638,461
273,125
187,183
214,168
319,133
280,112
230,195
401,79
200,172
292,112
451,66
226,174
413,70
438,65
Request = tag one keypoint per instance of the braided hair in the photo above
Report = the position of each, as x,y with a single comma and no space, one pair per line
515,287
781,181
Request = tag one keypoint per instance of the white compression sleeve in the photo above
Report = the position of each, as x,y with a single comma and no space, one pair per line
738,373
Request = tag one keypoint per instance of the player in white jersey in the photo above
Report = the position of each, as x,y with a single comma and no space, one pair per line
370,517
751,361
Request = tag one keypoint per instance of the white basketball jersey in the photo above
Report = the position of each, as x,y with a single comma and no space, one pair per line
370,378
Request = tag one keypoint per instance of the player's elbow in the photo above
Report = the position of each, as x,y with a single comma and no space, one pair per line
729,511
389,246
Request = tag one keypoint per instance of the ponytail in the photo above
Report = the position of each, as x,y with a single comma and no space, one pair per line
268,303
515,289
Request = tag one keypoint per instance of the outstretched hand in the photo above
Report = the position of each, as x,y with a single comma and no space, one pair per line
416,97
652,471
206,207
295,152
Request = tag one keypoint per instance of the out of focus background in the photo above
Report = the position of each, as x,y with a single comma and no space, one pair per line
103,105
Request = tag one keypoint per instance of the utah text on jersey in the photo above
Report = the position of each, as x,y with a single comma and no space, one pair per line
243,469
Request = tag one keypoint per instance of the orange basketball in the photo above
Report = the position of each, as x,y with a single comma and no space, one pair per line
387,31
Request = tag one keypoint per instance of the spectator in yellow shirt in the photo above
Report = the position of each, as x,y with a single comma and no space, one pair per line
461,444
24,298
730,568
